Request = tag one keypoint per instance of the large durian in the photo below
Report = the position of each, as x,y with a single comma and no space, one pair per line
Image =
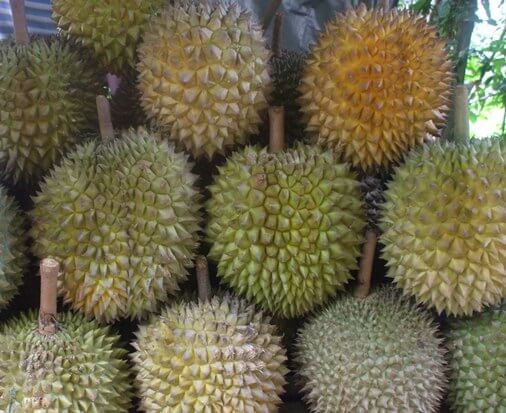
47,92
68,364
13,258
285,227
443,225
377,354
216,355
122,217
111,29
203,74
477,358
376,83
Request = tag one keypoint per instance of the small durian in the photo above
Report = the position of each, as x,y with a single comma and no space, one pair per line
215,355
443,225
63,363
376,83
122,218
47,92
477,359
111,29
377,354
203,74
13,259
285,228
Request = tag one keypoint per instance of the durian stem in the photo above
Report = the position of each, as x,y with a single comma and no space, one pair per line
204,284
461,128
366,264
276,34
19,21
276,128
104,118
49,269
271,10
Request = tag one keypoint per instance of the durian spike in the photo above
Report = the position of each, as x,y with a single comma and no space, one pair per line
461,128
204,284
19,21
270,11
104,118
49,269
276,128
366,264
276,34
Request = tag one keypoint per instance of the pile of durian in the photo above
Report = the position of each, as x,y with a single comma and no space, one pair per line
302,178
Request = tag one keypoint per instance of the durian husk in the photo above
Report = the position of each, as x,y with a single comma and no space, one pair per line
376,84
203,75
443,225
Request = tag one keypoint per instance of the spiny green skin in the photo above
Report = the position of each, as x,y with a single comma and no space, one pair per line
13,258
47,95
110,28
378,354
286,75
215,356
80,369
443,225
285,228
122,218
477,360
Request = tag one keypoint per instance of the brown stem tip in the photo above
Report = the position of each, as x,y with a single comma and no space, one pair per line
49,270
104,118
276,128
366,265
19,21
204,284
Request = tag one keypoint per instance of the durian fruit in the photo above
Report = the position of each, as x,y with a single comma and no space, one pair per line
122,217
287,69
111,29
286,227
203,74
377,354
13,258
47,92
372,188
477,359
215,355
443,224
376,83
64,363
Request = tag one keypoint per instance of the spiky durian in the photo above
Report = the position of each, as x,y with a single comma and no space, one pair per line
443,225
477,358
122,217
47,93
78,369
112,29
215,356
285,228
372,187
377,354
13,258
203,74
375,85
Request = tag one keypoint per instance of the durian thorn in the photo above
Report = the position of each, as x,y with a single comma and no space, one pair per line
19,21
204,284
276,128
104,118
366,265
276,34
49,269
461,128
270,11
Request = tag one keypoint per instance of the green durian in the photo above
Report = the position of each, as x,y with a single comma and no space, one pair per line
47,95
122,218
378,354
111,29
220,355
285,228
443,225
13,259
477,361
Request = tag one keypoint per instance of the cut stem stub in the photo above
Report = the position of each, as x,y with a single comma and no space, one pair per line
49,269
104,118
276,128
461,127
204,284
19,21
366,265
